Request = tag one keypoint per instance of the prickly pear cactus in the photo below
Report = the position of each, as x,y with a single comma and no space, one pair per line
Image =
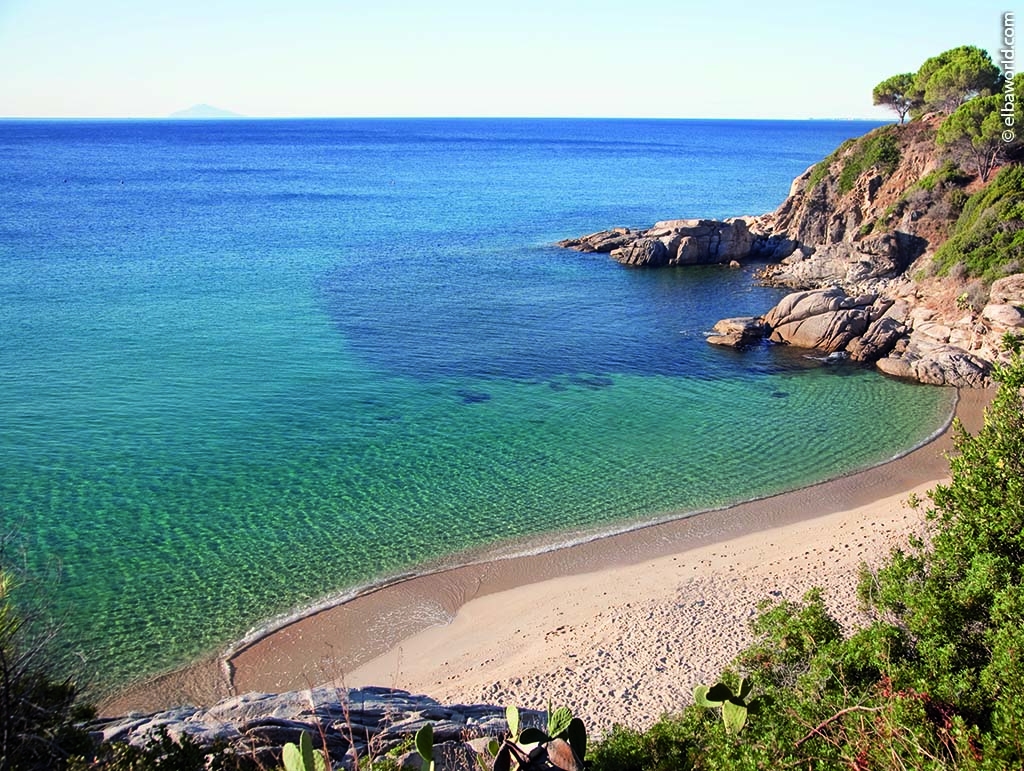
734,705
302,757
425,746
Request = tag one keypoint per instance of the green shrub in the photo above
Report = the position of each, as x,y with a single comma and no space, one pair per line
879,150
950,174
989,234
936,682
162,753
668,745
819,172
38,709
822,168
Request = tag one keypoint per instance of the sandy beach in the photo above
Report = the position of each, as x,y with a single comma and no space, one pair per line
619,629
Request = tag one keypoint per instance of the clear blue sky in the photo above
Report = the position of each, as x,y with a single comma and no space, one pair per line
649,58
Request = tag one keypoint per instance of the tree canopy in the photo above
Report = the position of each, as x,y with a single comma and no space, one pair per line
942,83
896,93
975,132
946,81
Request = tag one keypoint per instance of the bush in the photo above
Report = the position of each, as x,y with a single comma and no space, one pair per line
822,168
878,150
667,746
989,234
949,175
38,711
935,682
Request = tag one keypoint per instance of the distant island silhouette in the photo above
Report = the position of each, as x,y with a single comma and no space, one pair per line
204,111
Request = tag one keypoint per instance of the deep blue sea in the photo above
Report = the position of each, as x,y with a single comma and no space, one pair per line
249,365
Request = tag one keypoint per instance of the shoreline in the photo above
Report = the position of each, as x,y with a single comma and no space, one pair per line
395,634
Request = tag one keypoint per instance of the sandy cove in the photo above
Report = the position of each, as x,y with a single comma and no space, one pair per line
620,629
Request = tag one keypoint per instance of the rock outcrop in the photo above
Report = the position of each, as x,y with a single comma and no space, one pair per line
852,232
938,364
853,220
824,320
351,723
738,332
672,242
866,328
862,264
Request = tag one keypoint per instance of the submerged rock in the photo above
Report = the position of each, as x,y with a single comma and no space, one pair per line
603,241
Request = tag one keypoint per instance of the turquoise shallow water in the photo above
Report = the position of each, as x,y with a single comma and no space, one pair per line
251,365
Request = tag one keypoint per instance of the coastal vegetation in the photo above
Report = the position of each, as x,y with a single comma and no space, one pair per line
880,151
933,682
988,240
974,133
39,708
964,85
923,215
941,84
896,93
946,81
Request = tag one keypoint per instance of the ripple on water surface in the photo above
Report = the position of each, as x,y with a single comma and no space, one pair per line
283,360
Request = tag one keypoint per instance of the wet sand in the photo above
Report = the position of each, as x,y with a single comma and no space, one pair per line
620,628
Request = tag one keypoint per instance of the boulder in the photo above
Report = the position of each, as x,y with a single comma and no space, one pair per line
824,319
735,241
826,332
849,264
797,306
775,248
938,364
643,253
879,339
672,242
738,332
938,333
1003,316
1008,290
347,720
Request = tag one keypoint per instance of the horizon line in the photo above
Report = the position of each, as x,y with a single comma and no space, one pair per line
237,118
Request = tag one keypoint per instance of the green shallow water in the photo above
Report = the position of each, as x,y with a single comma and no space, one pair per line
285,360
172,563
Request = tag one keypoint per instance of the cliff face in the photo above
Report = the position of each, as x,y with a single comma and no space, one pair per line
865,213
867,221
824,212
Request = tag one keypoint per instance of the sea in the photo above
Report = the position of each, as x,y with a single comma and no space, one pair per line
252,367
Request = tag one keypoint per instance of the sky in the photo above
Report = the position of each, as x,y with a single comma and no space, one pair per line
518,58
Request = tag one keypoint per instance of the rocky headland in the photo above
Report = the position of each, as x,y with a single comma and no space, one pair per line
857,239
